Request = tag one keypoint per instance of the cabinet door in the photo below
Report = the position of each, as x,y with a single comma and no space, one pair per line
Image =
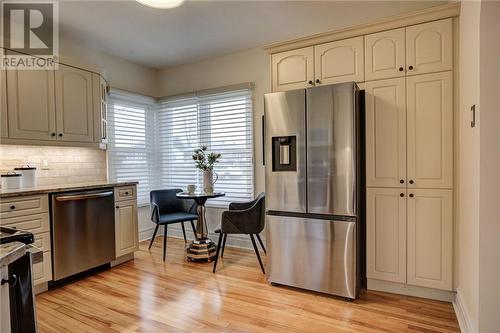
429,47
339,61
430,130
126,229
4,301
386,234
74,106
30,104
4,126
99,95
385,107
385,55
430,233
293,69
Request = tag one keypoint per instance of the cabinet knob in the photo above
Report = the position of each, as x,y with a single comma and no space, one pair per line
318,81
117,207
401,181
401,195
411,195
60,134
12,281
53,134
411,181
12,207
410,67
126,193
401,69
310,82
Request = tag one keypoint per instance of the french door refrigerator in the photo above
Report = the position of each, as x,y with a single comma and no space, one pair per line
313,188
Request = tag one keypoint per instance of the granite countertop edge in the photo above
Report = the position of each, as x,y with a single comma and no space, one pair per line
10,252
60,188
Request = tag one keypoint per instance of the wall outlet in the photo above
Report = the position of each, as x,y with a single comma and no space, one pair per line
45,164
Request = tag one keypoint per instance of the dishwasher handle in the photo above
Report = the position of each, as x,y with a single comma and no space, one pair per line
84,196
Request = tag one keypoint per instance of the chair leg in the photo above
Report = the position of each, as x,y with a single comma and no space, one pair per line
164,241
184,232
261,244
154,235
223,245
194,230
217,253
257,253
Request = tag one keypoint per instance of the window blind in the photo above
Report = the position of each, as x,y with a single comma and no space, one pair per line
131,136
223,123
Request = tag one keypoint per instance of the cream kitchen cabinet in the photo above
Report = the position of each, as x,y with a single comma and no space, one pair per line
126,225
429,47
4,126
386,234
100,95
430,130
293,69
339,61
385,55
430,232
385,114
31,104
74,104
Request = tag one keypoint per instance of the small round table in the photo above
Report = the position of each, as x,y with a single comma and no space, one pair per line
203,248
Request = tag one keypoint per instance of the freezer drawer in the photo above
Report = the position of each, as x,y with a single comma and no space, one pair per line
312,254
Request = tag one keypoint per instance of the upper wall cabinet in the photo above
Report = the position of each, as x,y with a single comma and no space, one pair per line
429,47
339,61
74,104
30,104
385,55
430,130
100,95
4,130
293,69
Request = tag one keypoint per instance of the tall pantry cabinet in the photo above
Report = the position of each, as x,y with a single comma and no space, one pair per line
409,149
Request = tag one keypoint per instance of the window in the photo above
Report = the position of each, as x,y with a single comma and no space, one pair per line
223,123
131,136
153,143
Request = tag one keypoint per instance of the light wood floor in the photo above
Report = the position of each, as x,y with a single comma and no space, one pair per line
148,295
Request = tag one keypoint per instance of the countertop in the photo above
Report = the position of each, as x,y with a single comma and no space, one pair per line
10,252
60,188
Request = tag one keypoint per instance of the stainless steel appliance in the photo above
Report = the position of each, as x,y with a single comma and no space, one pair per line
313,188
83,231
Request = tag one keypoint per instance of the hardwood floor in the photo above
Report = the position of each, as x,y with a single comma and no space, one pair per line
148,295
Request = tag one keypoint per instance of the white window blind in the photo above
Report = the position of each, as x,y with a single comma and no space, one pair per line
223,123
131,141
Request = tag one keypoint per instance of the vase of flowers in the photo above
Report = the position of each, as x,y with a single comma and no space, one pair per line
205,161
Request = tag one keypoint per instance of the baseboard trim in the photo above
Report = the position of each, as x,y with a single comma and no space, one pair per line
122,259
404,289
461,313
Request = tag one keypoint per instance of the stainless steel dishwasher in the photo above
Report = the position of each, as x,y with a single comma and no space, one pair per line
83,231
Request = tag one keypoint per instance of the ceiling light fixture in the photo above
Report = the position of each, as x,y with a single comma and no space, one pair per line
162,4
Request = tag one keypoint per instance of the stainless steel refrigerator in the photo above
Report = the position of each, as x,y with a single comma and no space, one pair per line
313,188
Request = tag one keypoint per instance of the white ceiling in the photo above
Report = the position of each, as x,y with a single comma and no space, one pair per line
159,38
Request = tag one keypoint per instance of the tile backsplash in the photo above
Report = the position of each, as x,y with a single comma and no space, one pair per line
65,165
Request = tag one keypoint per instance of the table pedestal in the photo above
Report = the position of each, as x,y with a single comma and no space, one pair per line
202,248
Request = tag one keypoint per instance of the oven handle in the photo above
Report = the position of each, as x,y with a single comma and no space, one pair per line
84,196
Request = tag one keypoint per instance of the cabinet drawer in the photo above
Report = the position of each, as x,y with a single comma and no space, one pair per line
36,223
42,272
125,193
42,241
20,206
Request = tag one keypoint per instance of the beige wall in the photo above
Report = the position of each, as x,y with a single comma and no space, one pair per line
468,206
489,204
66,164
120,73
245,66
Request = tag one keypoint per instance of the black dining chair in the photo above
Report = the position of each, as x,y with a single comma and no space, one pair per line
246,218
168,209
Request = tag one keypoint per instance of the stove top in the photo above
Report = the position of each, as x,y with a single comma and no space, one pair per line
9,235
